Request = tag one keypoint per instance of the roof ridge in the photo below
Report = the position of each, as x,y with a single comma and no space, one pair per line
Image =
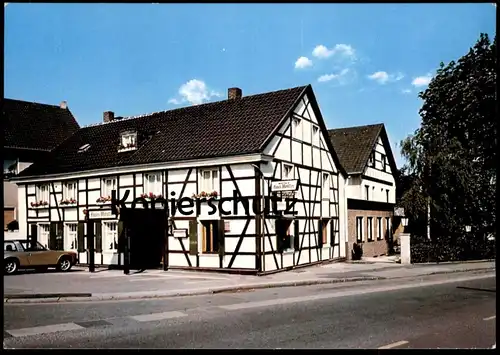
33,102
206,104
351,127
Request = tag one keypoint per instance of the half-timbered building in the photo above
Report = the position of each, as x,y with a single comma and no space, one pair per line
366,155
222,161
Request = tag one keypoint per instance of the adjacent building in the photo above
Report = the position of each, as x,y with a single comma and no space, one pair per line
234,148
31,131
366,155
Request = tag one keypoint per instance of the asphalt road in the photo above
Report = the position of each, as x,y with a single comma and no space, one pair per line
440,311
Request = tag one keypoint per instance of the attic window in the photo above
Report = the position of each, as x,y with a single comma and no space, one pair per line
84,148
128,141
371,160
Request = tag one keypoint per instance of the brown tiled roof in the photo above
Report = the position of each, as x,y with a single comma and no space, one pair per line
223,128
36,126
353,145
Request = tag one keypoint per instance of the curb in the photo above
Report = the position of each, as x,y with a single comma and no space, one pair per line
66,298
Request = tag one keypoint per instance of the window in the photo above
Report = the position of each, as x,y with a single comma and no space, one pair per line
387,227
367,191
383,161
359,229
370,229
153,184
110,236
44,234
284,235
210,180
210,235
42,193
128,140
70,190
387,195
315,135
324,232
326,186
38,246
108,185
371,160
296,128
84,148
287,172
71,236
379,228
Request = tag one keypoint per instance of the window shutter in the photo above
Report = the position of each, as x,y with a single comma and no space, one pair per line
221,237
320,233
81,237
34,234
121,237
53,236
193,237
296,236
333,227
98,237
279,235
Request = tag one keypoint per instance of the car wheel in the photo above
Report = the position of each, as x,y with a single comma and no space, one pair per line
11,266
64,264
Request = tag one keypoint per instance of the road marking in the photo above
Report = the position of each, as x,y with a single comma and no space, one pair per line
44,329
158,316
266,303
394,345
490,318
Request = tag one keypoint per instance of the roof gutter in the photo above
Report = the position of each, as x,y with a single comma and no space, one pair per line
130,169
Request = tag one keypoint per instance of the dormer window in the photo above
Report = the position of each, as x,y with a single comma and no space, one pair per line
128,141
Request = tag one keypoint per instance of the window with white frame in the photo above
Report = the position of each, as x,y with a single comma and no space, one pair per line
128,140
153,184
379,228
44,233
71,236
70,190
108,184
110,236
359,229
371,160
315,135
296,128
287,172
210,180
42,193
369,228
326,185
387,227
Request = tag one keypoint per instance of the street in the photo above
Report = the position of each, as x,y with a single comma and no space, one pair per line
437,311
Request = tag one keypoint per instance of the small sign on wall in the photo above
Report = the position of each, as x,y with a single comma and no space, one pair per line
100,214
180,233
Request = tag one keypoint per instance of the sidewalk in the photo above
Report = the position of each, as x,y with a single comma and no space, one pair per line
79,284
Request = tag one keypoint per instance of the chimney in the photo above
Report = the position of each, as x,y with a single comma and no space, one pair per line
64,105
108,116
234,93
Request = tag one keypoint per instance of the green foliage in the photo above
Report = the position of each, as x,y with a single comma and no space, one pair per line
451,158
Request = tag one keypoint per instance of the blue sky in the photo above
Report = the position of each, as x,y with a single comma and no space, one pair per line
366,62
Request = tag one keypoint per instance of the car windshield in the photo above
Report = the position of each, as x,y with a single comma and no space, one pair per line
38,246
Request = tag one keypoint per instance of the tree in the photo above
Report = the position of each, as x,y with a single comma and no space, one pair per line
452,155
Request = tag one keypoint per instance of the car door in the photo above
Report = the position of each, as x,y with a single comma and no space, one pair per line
40,256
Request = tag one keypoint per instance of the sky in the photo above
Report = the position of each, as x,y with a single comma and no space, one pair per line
365,62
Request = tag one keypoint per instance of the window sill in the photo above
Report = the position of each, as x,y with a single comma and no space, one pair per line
39,207
126,149
289,251
68,206
109,252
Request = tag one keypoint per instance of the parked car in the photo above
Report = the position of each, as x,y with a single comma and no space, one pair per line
18,254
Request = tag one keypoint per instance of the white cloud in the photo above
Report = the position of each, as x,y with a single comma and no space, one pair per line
321,51
195,92
406,91
423,80
303,62
383,77
329,77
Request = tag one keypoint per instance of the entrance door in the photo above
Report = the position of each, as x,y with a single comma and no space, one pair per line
147,237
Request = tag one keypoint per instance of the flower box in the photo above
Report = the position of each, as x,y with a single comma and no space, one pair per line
207,195
68,202
151,196
40,204
103,199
